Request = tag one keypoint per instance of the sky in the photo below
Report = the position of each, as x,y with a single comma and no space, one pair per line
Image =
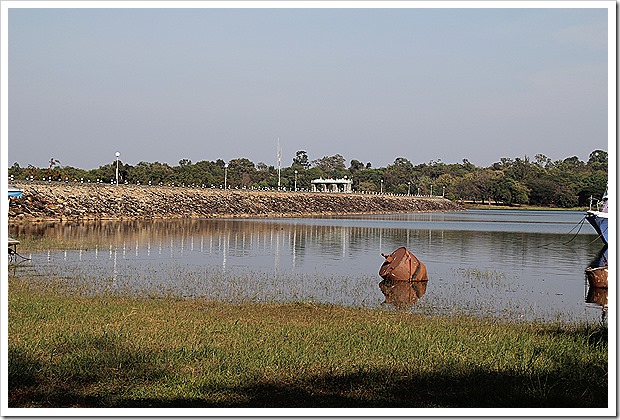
371,84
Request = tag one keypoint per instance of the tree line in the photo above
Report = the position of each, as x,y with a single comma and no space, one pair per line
540,181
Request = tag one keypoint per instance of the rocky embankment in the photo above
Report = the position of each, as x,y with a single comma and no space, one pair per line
57,201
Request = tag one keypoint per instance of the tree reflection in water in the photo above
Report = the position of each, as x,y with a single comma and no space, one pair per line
331,260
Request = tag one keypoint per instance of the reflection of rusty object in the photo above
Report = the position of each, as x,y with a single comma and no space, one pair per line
402,293
402,265
597,276
597,295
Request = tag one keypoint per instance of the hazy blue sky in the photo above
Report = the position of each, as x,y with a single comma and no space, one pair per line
370,84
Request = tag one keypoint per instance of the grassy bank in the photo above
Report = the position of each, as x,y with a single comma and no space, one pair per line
67,350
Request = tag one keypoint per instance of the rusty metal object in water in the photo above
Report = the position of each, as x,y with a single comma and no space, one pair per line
597,276
402,265
596,272
404,278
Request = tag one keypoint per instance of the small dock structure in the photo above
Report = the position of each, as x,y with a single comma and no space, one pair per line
14,192
13,246
343,185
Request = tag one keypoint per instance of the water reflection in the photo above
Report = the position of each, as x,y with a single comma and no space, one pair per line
402,294
596,276
596,272
597,296
300,239
526,270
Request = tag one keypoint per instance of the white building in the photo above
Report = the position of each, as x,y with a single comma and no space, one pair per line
332,185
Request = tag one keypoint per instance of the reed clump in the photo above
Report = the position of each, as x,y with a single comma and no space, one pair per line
81,350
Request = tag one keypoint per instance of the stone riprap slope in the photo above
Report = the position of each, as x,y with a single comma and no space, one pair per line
57,201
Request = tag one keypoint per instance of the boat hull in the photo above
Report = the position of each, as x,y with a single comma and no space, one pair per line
15,192
599,221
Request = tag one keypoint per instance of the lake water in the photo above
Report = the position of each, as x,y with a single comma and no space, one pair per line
515,264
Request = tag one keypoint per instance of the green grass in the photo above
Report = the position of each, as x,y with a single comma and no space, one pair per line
72,350
486,277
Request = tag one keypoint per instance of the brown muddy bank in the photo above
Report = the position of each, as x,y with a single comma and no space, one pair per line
57,201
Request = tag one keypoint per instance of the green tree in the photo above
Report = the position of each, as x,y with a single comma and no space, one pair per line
507,190
367,180
566,182
331,166
397,176
594,186
17,172
366,186
105,173
541,160
301,159
598,160
241,172
448,182
355,166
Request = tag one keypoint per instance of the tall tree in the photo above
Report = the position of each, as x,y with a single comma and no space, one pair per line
598,160
301,159
331,165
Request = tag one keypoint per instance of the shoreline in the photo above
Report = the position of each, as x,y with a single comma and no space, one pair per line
43,202
468,205
161,352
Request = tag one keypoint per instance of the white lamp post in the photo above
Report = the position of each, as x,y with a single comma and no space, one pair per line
117,155
381,186
295,179
225,174
431,190
409,188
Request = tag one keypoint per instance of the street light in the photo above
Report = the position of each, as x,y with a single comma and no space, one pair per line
409,188
295,179
225,174
117,155
431,190
443,191
381,186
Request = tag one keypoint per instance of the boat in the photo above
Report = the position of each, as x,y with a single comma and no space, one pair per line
15,192
598,218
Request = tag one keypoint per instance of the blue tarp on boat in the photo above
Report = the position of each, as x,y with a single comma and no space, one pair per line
15,192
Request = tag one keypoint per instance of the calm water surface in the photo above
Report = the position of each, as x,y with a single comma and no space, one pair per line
517,264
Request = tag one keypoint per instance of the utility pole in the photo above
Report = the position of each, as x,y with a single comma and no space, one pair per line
117,155
225,174
279,159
